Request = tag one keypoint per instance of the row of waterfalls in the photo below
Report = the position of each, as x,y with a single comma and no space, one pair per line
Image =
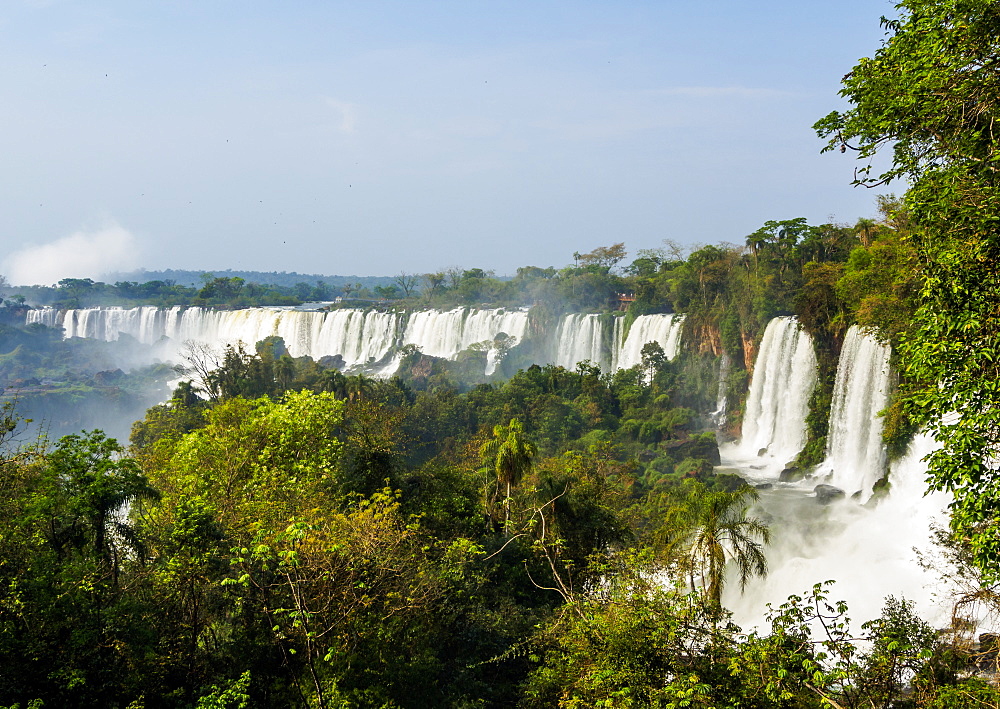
867,543
864,541
368,338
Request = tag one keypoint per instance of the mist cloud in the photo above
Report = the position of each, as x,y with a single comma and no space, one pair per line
83,254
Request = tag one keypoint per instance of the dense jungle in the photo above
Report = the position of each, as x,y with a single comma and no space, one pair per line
280,531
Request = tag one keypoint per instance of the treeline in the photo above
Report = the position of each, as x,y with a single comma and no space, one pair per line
305,538
784,267
286,279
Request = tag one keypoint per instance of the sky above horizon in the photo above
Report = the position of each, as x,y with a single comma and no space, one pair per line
381,137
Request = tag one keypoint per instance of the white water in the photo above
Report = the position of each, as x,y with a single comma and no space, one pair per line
446,333
721,399
784,377
579,338
365,337
664,329
855,453
868,550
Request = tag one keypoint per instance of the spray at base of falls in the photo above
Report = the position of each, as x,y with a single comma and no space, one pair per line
869,551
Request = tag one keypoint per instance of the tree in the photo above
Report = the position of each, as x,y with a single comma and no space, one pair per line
705,530
407,282
931,94
604,257
508,455
653,360
91,485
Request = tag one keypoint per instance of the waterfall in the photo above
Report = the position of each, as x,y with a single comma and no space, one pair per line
49,317
446,333
365,337
784,377
579,338
361,337
721,399
855,453
664,329
871,550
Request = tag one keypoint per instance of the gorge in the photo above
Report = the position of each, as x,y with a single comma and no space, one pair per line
845,539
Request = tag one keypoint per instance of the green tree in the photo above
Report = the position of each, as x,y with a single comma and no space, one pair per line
90,485
508,455
931,94
706,530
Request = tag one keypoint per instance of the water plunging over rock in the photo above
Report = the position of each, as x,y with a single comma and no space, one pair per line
578,338
784,377
856,457
366,337
664,329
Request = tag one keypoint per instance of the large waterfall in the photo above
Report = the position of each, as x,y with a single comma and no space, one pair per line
869,548
855,453
365,337
579,338
784,377
663,329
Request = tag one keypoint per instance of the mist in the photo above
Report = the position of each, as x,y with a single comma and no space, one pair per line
82,254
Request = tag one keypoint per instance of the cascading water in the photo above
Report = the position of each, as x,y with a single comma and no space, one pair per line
446,333
664,329
49,317
869,550
721,399
855,453
579,338
365,337
784,377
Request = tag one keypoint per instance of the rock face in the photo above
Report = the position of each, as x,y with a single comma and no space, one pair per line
825,494
332,362
703,446
790,475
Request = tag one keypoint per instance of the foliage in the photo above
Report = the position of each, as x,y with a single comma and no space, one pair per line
930,93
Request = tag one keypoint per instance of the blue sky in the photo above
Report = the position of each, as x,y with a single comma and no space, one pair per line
379,137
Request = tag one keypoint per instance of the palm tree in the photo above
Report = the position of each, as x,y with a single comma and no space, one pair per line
709,529
725,533
91,487
508,455
865,229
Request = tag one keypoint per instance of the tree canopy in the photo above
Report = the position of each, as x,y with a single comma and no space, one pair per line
931,94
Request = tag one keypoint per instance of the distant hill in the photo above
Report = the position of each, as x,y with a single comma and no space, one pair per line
276,278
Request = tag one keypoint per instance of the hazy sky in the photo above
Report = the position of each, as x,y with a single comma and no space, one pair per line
371,137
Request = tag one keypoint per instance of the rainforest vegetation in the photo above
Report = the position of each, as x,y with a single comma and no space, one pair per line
281,533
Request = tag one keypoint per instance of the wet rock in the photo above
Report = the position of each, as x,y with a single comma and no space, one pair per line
825,494
729,483
109,378
791,474
702,446
332,362
763,486
762,452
